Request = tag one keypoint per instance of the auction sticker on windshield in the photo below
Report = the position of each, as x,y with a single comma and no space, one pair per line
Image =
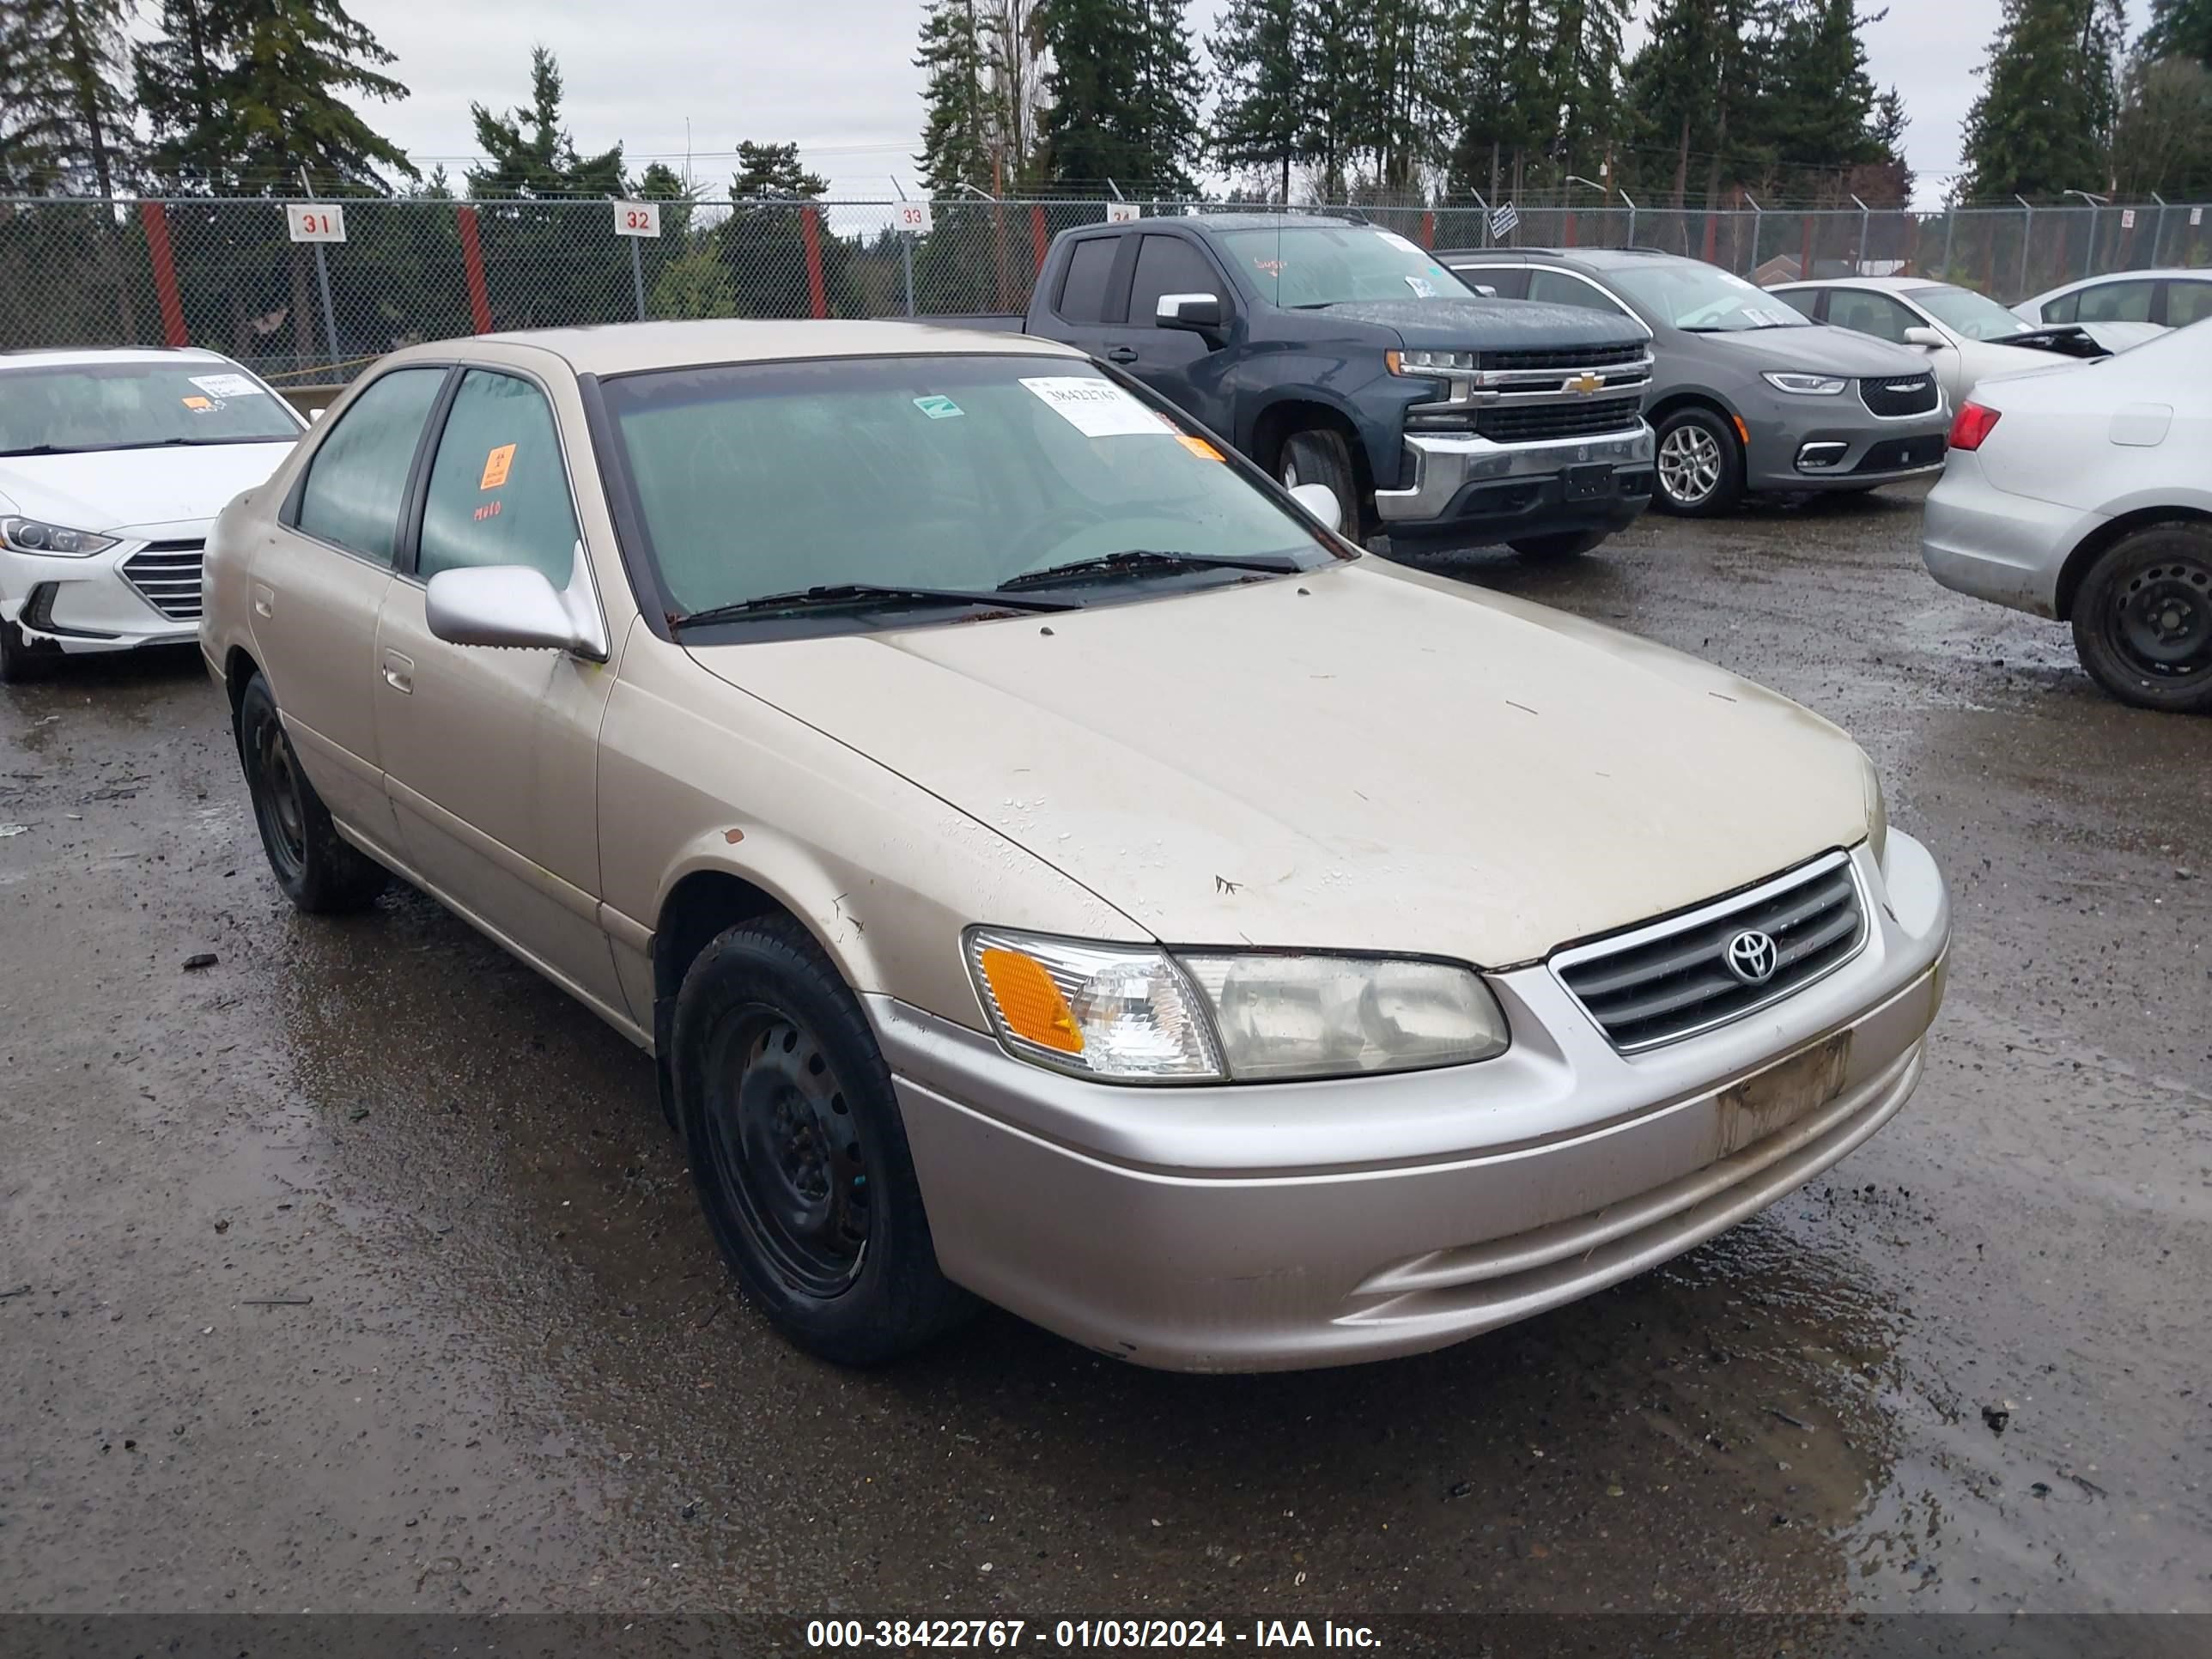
1096,409
227,385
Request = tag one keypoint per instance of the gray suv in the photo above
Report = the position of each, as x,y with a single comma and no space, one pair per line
1747,394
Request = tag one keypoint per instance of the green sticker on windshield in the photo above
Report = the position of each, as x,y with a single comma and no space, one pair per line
939,409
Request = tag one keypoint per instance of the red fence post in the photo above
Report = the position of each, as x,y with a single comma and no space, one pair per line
1428,229
472,258
155,219
810,230
1712,237
1571,228
1805,249
1038,240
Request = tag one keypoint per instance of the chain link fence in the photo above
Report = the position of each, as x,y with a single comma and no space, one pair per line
228,274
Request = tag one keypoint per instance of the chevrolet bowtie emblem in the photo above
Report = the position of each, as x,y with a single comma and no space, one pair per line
1586,383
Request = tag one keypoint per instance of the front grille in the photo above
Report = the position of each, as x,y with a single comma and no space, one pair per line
167,576
1894,395
1893,454
1668,981
1525,422
1570,357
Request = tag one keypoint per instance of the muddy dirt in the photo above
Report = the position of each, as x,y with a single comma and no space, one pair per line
356,1270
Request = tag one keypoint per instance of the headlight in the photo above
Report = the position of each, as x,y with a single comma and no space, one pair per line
1136,1014
1430,362
1811,385
1877,812
36,535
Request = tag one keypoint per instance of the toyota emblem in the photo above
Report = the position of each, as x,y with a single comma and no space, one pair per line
1750,957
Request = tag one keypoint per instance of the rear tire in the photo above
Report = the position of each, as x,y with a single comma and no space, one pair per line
318,871
1319,455
1700,465
1552,549
19,663
2142,618
798,1151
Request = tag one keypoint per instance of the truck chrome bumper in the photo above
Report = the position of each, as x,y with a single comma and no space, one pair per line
1444,463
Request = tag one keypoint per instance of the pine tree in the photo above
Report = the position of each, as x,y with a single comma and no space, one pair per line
1260,120
529,153
1813,119
772,173
64,119
1166,129
1501,72
963,120
2179,28
1334,64
175,75
2164,138
1122,94
2043,119
1583,77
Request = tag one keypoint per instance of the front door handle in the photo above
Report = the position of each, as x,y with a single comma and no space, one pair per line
399,672
1122,354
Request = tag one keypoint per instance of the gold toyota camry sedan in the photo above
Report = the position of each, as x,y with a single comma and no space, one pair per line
1047,863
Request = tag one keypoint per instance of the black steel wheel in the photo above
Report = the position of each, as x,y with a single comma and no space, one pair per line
2142,619
317,870
799,1151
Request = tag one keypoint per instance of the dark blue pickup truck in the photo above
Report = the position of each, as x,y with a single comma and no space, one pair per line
1334,352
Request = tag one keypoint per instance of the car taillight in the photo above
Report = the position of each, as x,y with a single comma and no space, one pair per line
1975,421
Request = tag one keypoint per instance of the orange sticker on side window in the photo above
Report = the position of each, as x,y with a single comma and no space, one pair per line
199,402
1198,447
495,466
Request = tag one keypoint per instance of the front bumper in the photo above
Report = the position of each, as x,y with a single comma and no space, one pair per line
2009,550
1273,1227
1462,484
143,591
1837,443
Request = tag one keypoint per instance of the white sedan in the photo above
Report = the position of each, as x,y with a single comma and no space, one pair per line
2173,297
2082,494
1968,336
113,466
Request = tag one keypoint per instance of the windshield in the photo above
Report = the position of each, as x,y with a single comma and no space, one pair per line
1701,298
1326,264
940,472
135,406
1964,311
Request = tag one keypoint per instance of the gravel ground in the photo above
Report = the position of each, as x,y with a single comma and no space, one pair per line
356,1271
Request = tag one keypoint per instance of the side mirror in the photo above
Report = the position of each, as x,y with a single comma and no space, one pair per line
318,411
1200,313
1926,338
1484,289
1320,502
502,604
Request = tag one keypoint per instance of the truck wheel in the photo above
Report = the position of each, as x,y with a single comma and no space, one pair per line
798,1151
1567,544
1700,465
318,871
2142,621
1318,455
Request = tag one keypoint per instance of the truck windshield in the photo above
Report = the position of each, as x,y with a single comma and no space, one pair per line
1312,266
1701,298
955,473
127,406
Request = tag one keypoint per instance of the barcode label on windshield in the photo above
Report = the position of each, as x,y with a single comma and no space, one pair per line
1096,409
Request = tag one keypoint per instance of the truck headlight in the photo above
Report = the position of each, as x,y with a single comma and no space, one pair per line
1809,386
37,536
1430,362
1138,1014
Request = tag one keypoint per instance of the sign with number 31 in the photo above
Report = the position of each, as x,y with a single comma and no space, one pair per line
316,221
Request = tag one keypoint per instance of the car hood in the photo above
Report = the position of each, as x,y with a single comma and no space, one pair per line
111,490
1818,349
1361,758
1446,325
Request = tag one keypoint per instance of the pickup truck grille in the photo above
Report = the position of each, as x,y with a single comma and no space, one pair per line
1584,417
1895,396
1666,981
1575,357
167,577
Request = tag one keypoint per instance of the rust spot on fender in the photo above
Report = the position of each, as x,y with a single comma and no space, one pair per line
733,837
1772,1100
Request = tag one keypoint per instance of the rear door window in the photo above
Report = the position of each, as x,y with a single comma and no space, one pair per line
1083,290
2116,302
499,494
358,476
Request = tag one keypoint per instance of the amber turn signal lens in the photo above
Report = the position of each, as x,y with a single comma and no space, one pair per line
1029,1002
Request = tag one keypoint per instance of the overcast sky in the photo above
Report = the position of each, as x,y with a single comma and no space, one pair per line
837,74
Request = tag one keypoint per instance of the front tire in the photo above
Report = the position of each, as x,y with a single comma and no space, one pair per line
19,663
1319,455
1700,465
1550,549
2142,619
798,1151
317,870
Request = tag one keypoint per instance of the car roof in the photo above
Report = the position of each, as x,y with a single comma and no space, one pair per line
1887,284
623,348
89,356
1596,258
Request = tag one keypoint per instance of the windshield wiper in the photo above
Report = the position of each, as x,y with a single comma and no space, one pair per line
839,594
1145,558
